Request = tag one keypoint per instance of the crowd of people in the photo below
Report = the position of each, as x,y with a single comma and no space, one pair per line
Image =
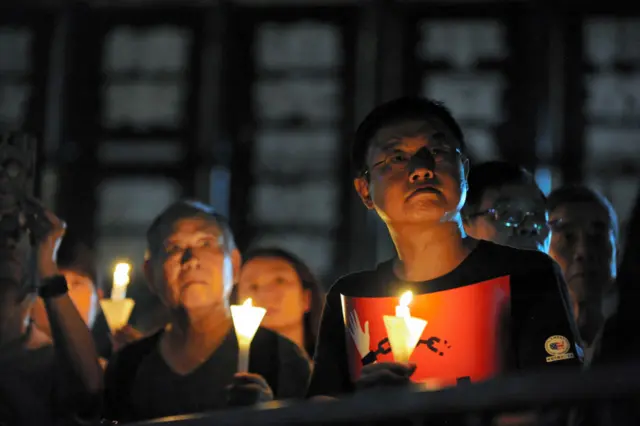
509,279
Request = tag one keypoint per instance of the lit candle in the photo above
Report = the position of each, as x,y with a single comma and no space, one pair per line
403,330
402,310
246,320
121,280
117,310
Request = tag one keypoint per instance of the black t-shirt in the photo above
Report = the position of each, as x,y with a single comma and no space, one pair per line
500,310
139,385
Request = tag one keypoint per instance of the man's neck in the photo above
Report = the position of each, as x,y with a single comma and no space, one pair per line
429,251
200,327
193,337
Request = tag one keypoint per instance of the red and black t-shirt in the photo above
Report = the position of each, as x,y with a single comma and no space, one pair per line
501,310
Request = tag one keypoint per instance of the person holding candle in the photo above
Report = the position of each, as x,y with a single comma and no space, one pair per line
190,366
282,283
76,263
490,309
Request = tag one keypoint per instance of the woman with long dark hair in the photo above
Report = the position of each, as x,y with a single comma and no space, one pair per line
283,284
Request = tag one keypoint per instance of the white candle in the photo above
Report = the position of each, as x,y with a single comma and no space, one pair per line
403,330
246,320
121,280
402,310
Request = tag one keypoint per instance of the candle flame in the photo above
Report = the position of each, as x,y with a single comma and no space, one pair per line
121,275
248,303
406,298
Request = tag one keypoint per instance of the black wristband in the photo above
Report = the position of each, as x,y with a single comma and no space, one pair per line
53,287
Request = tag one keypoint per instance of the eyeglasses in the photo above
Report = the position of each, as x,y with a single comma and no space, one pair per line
400,160
512,218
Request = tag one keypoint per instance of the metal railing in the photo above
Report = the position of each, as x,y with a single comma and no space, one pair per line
560,388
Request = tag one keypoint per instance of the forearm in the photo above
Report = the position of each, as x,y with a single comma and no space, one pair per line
74,345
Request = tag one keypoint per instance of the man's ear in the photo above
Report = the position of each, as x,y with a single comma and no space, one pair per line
362,188
236,260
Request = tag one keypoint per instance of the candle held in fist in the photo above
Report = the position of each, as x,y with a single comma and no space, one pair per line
246,320
121,281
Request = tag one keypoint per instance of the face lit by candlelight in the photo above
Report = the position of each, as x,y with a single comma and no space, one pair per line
275,285
187,271
415,172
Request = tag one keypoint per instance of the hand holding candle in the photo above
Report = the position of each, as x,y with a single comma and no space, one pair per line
117,310
403,330
246,320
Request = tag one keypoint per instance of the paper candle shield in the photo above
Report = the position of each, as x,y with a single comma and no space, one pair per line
403,334
117,312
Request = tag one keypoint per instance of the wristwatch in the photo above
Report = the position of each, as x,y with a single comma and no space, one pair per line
53,287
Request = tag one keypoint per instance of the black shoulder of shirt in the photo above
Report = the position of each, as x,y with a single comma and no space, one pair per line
487,261
269,345
281,362
279,343
534,279
120,375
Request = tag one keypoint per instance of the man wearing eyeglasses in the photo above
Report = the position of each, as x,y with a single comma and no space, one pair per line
490,309
505,205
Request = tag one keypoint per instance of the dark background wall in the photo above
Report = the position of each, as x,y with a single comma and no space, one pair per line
250,106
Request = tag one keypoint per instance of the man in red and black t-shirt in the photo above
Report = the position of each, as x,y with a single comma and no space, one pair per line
489,309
